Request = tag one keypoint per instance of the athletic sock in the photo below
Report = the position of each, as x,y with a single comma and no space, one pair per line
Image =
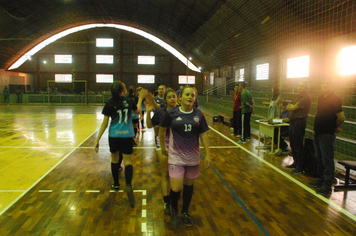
166,199
128,174
115,172
174,196
187,197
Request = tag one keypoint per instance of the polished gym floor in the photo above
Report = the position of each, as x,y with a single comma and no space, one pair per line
53,183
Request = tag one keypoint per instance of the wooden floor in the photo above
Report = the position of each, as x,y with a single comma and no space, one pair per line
53,183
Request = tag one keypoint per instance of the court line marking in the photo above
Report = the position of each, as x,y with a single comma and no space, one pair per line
12,191
242,204
42,177
288,176
39,147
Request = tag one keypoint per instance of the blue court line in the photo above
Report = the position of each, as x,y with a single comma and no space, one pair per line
239,200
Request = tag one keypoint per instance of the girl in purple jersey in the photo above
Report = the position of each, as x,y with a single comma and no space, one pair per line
119,108
186,125
170,98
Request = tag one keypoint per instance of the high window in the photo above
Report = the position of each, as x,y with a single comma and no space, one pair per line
63,78
146,60
184,79
298,67
63,59
146,79
105,42
104,78
262,71
104,59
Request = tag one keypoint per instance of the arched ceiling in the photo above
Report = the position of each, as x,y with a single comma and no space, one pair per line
24,21
214,32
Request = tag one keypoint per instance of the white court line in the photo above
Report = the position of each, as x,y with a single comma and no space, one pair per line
69,191
40,147
12,191
34,184
92,191
327,201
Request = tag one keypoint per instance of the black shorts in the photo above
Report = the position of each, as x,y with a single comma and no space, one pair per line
134,121
123,145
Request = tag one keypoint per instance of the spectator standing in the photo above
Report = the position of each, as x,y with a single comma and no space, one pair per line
329,117
6,94
298,114
273,104
19,94
247,106
237,112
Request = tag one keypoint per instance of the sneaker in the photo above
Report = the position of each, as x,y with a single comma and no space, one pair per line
143,127
186,219
130,195
316,184
324,190
174,217
138,129
238,136
291,166
167,209
120,169
296,171
115,186
248,138
241,141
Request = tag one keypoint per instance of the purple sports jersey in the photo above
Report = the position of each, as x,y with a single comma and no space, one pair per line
160,101
185,128
156,121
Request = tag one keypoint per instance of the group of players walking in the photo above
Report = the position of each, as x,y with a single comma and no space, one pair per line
177,132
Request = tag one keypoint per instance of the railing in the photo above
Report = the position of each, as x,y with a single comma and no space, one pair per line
219,87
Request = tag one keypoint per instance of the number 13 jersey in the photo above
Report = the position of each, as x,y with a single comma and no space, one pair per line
185,128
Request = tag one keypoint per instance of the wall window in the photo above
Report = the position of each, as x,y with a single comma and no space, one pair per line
104,78
63,78
183,79
212,78
262,71
298,67
242,74
146,79
347,61
63,59
104,59
146,60
105,42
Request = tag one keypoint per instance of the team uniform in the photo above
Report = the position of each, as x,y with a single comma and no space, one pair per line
134,116
156,121
185,128
160,101
120,130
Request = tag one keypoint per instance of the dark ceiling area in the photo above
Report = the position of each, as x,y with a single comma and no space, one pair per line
214,33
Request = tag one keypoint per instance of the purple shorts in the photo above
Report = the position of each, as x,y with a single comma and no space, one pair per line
178,172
